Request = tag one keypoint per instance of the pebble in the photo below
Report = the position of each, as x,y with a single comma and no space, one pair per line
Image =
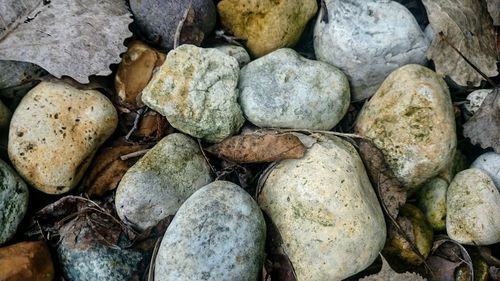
195,89
159,19
266,25
475,99
489,162
13,201
237,52
432,201
368,39
55,132
473,205
157,185
285,90
82,259
326,211
217,234
411,119
26,261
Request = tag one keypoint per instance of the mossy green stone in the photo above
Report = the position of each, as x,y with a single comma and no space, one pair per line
13,201
432,202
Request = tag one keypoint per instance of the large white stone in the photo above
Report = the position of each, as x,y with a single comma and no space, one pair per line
368,39
473,208
283,89
489,162
326,211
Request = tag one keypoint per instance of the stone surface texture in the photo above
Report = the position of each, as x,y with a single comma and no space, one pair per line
283,89
218,234
411,119
196,90
266,25
489,162
326,211
368,39
157,185
55,132
473,205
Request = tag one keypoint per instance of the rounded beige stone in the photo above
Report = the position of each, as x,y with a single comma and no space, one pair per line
473,209
410,118
55,132
326,211
267,25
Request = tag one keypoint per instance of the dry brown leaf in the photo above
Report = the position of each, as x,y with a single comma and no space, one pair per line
389,190
134,73
258,148
387,273
188,31
484,126
467,26
446,257
494,10
26,261
108,169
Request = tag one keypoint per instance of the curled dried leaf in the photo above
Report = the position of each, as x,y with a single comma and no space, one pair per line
258,148
108,168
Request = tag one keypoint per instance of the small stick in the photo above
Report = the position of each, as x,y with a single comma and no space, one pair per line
134,154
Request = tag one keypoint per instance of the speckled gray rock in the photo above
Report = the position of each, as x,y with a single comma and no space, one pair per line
5,115
157,185
13,201
368,39
159,19
489,162
432,202
283,89
326,211
411,119
196,90
55,132
16,73
475,99
237,52
473,208
91,261
217,234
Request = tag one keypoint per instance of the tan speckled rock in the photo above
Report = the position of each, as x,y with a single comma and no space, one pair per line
266,24
410,118
473,209
55,132
326,211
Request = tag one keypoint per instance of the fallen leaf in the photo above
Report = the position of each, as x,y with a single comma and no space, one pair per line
134,72
66,38
188,31
494,10
389,190
442,269
494,273
467,26
258,148
446,258
144,125
387,273
108,169
26,261
483,128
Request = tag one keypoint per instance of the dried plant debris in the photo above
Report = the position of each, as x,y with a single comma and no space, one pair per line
108,168
387,273
258,148
484,126
73,38
390,191
447,259
466,25
494,10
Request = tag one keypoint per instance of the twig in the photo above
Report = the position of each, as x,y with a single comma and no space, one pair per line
138,118
206,158
311,132
134,154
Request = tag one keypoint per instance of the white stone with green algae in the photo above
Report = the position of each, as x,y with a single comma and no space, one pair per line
283,89
326,211
218,234
368,39
196,90
157,185
432,202
13,201
411,119
473,208
55,132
